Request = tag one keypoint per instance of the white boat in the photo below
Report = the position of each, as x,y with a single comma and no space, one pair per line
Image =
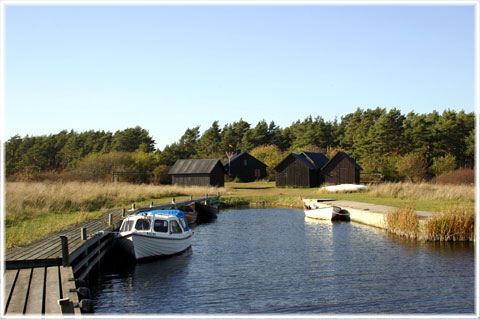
328,213
154,234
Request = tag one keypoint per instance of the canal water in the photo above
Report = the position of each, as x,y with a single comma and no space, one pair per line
276,261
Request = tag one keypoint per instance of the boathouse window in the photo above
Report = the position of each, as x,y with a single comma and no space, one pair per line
142,224
175,227
160,226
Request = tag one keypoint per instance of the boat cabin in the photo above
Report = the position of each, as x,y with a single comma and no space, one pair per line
161,221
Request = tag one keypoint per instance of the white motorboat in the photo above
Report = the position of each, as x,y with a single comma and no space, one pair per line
328,213
154,234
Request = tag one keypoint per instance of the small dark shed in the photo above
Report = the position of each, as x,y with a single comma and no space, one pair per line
342,169
301,170
245,167
198,172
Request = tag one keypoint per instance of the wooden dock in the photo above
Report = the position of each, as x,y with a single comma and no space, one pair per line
42,278
41,290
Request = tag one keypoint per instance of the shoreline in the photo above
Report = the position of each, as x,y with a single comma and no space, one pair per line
363,213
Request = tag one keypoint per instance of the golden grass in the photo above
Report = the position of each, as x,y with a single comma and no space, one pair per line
454,224
404,222
423,191
34,209
24,197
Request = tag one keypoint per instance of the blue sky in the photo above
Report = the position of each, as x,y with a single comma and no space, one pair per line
168,68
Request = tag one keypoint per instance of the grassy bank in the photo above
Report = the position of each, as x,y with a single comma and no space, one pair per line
422,196
33,209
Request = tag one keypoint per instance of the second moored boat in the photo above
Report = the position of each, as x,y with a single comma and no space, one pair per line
327,213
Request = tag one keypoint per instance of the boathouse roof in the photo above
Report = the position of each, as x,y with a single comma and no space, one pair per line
313,160
317,158
194,166
346,156
240,155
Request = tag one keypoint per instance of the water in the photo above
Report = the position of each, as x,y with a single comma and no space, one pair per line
276,261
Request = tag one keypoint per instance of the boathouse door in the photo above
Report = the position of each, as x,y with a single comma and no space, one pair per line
343,175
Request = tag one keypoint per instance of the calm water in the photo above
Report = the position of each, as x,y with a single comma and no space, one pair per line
275,261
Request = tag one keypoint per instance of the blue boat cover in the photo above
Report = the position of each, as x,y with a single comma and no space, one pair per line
180,214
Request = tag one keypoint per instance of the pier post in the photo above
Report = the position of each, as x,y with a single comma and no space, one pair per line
151,204
133,206
83,233
110,219
123,212
191,197
66,305
173,200
65,255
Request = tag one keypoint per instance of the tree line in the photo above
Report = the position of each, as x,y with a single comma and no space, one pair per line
380,140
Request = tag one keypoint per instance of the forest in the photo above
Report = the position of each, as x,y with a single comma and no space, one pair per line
412,147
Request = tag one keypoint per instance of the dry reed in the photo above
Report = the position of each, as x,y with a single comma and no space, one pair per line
453,224
404,222
423,191
31,197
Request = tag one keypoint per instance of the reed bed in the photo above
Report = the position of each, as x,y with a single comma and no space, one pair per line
403,222
453,224
423,191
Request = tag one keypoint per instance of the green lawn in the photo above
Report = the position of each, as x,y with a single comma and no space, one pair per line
267,192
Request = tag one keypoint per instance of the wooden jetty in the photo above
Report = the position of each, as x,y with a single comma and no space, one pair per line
46,277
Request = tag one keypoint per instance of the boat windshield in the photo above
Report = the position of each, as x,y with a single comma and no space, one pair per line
175,227
142,224
160,225
126,226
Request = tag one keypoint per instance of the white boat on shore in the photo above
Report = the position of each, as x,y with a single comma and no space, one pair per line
155,234
327,213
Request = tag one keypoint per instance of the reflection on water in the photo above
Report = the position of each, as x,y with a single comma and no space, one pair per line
277,261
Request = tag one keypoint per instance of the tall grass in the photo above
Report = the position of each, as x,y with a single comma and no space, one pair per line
423,191
34,209
404,222
27,198
454,224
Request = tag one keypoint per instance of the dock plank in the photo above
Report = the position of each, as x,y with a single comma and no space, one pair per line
67,286
52,291
9,281
36,294
20,293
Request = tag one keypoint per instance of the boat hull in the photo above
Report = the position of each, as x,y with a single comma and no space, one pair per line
145,246
206,213
191,217
327,213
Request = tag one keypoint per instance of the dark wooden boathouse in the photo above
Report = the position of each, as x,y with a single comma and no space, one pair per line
198,172
301,170
245,168
342,169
